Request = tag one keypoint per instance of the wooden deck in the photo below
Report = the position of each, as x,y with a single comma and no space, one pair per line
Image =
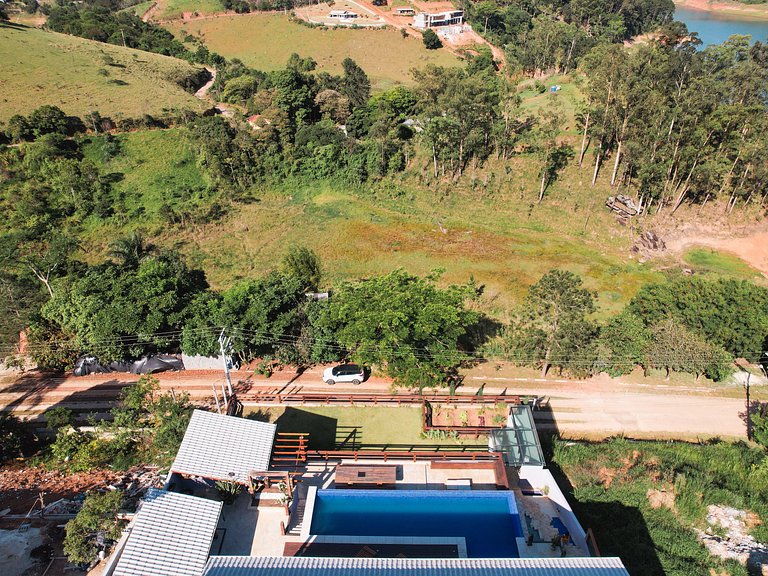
354,475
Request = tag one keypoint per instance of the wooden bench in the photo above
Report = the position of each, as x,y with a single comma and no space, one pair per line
351,475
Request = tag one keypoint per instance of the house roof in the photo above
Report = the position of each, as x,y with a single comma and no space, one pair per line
171,535
225,448
307,566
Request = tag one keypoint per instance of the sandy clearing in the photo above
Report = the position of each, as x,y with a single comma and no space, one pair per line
751,247
751,11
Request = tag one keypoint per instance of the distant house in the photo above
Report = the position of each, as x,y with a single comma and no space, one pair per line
414,125
258,121
343,14
379,2
405,11
452,18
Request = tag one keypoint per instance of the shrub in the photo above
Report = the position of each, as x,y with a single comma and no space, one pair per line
228,491
431,40
13,437
94,528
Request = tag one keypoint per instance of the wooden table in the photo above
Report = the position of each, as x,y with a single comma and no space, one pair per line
353,474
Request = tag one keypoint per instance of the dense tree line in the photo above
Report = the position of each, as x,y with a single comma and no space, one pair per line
104,22
680,124
689,325
553,35
144,302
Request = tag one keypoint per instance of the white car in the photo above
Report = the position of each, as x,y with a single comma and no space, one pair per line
343,373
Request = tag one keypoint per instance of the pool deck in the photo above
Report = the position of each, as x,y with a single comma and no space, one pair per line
409,475
245,529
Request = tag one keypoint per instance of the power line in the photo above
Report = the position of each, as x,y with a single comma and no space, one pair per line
418,353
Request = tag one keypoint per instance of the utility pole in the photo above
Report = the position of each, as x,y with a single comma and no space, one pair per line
225,345
749,413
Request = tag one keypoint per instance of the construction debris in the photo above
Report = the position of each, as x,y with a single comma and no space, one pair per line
736,543
647,243
138,480
623,205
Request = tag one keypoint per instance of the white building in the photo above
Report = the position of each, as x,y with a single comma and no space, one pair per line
343,14
185,531
452,18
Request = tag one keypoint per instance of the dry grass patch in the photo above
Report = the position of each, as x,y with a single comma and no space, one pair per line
265,41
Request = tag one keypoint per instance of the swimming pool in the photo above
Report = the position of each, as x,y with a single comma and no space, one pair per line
488,521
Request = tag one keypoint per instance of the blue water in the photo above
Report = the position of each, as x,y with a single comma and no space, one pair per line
714,28
488,521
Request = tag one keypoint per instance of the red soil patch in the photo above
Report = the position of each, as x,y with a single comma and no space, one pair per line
20,487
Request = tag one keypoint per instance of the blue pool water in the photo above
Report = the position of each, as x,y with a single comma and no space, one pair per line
487,520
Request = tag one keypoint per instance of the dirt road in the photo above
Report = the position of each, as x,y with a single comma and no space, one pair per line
593,408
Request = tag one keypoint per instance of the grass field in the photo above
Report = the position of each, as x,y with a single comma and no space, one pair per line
265,41
80,76
139,8
491,229
175,8
569,98
708,261
352,427
158,169
612,487
494,235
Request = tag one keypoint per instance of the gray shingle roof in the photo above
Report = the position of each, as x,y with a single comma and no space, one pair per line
171,535
305,566
224,447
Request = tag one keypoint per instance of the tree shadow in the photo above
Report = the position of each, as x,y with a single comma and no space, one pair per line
618,529
259,415
482,331
322,430
14,25
34,391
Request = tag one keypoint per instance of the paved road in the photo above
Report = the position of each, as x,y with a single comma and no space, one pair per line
592,409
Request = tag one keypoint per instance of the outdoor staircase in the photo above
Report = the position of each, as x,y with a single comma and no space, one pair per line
297,518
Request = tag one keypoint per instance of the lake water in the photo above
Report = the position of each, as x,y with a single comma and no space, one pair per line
715,28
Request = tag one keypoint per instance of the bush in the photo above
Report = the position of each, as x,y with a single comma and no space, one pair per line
431,40
94,528
13,437
228,491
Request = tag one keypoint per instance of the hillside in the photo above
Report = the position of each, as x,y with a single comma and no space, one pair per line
79,76
485,227
265,41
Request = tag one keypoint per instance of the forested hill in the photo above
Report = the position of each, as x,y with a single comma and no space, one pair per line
553,35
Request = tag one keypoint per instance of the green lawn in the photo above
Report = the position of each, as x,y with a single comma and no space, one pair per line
80,76
347,428
265,41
